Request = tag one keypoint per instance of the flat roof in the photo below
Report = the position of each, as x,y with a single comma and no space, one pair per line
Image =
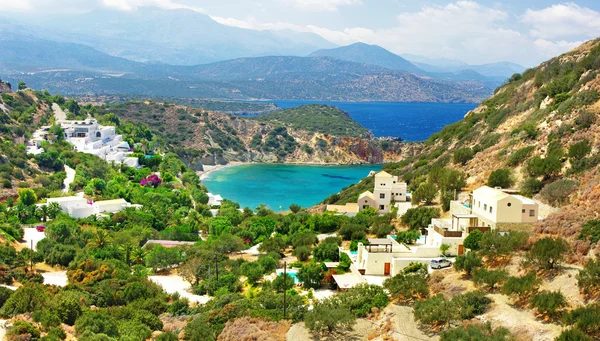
347,281
109,202
465,216
168,242
524,199
379,241
332,264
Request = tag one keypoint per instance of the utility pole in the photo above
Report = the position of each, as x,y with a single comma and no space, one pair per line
217,267
284,288
31,257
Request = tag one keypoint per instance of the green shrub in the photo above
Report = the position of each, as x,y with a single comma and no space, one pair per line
472,240
408,237
23,328
477,332
501,178
547,253
419,217
579,150
489,278
586,319
302,252
548,303
558,192
573,335
468,262
407,287
531,186
463,155
521,287
588,279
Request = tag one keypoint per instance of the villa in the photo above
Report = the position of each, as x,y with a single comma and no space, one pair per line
388,190
214,199
88,137
488,209
79,207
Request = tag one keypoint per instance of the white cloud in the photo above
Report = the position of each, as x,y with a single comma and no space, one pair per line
15,5
128,5
322,5
563,21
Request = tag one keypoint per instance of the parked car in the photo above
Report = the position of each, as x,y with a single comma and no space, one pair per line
440,263
40,228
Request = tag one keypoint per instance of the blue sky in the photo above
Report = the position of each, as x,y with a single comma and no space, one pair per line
475,31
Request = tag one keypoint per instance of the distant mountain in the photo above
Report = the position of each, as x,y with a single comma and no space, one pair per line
500,70
369,54
177,36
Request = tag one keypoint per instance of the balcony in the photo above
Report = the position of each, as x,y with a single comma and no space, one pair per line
446,233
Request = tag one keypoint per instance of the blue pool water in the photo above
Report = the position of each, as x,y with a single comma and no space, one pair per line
410,121
291,273
279,185
354,253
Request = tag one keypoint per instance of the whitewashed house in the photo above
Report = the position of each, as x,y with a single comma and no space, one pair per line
495,207
79,207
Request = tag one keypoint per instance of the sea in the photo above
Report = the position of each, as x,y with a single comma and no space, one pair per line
280,185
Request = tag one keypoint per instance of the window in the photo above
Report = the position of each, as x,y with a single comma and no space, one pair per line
366,201
381,195
98,134
532,213
523,211
485,207
509,204
381,207
490,209
479,204
365,207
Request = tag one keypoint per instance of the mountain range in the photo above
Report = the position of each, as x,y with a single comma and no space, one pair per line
183,53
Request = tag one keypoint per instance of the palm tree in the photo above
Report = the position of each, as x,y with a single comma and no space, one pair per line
138,255
127,249
53,210
43,210
101,239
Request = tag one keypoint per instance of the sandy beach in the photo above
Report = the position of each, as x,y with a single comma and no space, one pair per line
209,168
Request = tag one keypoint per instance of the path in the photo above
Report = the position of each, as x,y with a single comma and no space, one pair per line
31,234
176,284
69,179
253,250
58,278
59,114
403,207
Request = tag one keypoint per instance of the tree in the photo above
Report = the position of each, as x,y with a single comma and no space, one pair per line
302,252
419,217
279,284
549,304
547,253
490,278
408,237
444,248
21,85
295,208
327,316
26,299
425,192
23,329
27,197
96,322
501,178
352,231
60,230
160,257
472,240
558,192
588,279
495,245
311,275
477,332
253,271
327,251
272,244
579,150
468,262
463,155
546,167
435,311
407,287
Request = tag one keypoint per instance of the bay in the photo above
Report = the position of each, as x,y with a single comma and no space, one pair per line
410,121
280,185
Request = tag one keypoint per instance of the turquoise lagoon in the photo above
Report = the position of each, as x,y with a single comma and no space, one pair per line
280,185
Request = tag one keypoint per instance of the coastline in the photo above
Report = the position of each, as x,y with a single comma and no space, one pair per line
208,169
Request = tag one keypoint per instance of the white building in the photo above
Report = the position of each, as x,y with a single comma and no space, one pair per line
214,200
79,207
92,138
388,190
34,145
495,207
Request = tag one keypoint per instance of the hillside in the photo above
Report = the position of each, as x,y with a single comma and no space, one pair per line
369,54
201,136
542,128
324,119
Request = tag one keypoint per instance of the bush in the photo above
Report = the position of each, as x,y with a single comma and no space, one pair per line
21,327
419,217
579,150
381,230
590,231
521,287
588,279
327,316
253,271
547,253
501,178
489,278
476,332
549,304
468,262
546,167
472,240
463,155
519,156
495,245
435,311
585,119
586,319
425,192
471,304
531,186
407,287
311,275
96,322
408,237
350,231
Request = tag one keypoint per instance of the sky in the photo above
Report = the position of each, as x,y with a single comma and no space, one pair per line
474,31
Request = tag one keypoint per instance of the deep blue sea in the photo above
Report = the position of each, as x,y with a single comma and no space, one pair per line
410,121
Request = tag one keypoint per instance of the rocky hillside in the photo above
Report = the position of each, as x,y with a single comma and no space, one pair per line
542,129
206,137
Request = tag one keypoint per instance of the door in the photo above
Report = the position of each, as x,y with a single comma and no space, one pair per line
461,249
386,268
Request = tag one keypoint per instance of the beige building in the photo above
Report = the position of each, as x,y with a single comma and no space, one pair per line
494,207
79,207
388,190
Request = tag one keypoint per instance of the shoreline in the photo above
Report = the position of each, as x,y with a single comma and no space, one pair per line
208,169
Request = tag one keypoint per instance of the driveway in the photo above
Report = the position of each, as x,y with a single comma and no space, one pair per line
32,235
59,114
176,284
403,207
70,177
58,278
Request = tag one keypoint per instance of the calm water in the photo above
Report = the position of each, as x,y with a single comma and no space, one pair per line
278,186
410,121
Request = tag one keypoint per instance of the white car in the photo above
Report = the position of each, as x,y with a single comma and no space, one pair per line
440,263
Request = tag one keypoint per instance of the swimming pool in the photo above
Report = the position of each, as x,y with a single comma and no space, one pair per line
421,239
290,272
